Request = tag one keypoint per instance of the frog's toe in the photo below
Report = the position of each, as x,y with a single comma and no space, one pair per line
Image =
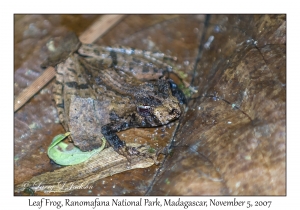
124,151
144,151
133,152
129,152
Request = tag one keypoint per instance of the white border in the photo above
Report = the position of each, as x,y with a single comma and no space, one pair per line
218,6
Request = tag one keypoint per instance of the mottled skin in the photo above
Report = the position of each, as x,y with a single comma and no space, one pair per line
152,104
99,91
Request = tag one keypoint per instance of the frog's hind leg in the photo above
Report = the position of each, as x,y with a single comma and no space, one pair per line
92,50
152,56
129,59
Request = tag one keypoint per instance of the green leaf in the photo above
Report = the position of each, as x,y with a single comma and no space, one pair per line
60,154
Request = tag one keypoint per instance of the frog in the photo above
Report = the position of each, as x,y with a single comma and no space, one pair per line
102,90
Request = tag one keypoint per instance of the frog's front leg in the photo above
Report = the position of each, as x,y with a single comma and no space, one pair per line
110,130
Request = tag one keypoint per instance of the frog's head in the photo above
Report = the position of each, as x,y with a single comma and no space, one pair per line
157,103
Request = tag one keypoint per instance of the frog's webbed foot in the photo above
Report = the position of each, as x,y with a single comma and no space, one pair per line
135,152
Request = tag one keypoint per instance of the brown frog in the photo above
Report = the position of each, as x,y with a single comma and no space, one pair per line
99,91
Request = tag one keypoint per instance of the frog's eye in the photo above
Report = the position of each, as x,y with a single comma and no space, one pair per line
177,92
144,110
173,86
